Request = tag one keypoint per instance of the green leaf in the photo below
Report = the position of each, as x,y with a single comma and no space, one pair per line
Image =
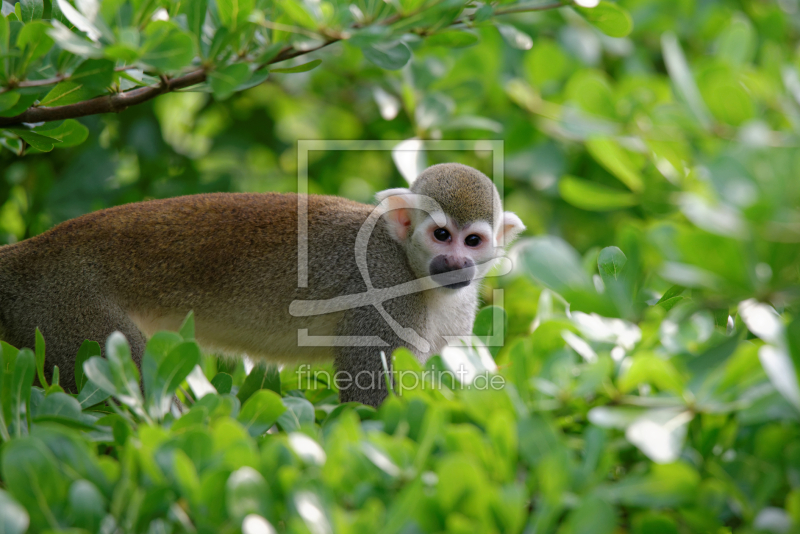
90,79
98,372
172,371
725,97
186,330
31,476
593,196
35,42
261,411
24,102
39,345
299,413
8,99
91,394
305,67
70,132
195,12
37,141
21,383
262,376
593,516
546,63
67,40
651,369
66,93
58,406
452,39
515,37
609,18
222,382
669,485
613,157
86,505
257,78
166,47
31,10
234,13
123,370
14,519
299,14
610,261
224,81
736,43
554,263
388,56
245,494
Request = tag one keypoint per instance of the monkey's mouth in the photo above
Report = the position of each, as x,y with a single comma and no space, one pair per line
451,273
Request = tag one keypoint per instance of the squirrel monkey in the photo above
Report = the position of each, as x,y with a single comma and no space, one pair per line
408,280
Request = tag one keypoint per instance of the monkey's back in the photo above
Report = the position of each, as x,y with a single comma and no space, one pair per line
230,257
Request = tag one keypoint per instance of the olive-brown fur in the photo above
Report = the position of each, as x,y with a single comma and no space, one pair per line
464,193
229,257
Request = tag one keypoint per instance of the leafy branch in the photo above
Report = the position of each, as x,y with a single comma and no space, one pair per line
387,51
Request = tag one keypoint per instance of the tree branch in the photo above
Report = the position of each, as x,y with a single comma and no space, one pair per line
104,104
121,101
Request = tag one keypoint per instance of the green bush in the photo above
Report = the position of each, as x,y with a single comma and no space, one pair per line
652,338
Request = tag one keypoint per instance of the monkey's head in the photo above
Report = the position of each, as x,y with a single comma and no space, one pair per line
455,238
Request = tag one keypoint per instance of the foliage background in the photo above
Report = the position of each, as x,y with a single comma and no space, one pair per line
664,398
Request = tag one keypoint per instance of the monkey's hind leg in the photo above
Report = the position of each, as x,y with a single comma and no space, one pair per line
65,326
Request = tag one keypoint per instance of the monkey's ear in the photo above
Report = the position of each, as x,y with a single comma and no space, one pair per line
399,203
510,227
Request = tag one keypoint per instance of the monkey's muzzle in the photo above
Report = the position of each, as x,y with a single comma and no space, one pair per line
452,273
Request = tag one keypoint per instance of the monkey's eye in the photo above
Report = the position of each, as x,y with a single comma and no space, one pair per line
472,240
441,234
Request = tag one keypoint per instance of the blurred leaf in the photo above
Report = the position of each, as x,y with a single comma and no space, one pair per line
222,382
593,516
610,261
234,13
666,485
388,56
263,376
610,155
299,14
514,37
224,81
305,67
592,196
166,47
30,10
8,99
86,505
261,411
299,412
554,263
13,517
452,39
609,18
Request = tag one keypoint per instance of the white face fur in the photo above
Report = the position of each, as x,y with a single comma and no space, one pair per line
453,255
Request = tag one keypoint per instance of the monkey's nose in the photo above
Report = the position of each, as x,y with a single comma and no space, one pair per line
451,272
